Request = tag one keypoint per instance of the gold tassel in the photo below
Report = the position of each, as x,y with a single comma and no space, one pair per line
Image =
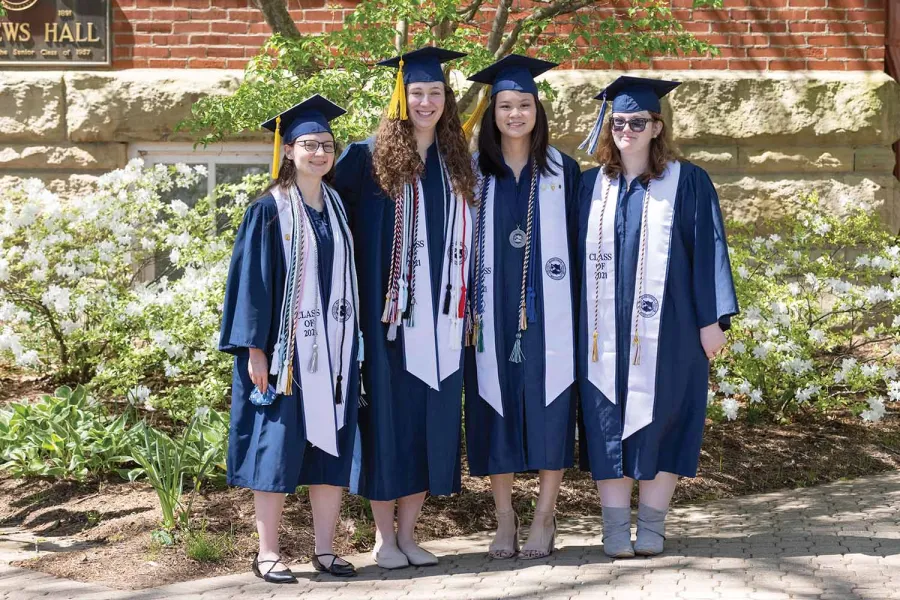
523,319
595,352
637,350
397,105
289,379
477,114
276,151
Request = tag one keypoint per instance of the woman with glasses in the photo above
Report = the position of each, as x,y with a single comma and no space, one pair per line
290,320
520,374
656,297
408,192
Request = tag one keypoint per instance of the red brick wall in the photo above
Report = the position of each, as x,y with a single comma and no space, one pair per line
751,34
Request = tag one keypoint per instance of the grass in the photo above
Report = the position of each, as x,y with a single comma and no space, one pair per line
203,546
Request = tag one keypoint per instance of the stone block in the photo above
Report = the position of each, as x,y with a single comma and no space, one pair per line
715,159
138,104
874,158
795,160
90,157
64,184
713,108
31,107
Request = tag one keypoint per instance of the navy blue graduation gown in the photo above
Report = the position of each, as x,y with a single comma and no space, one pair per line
409,433
267,447
530,435
699,292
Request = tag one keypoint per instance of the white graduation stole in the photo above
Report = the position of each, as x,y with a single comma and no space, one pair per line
322,417
648,308
559,354
432,351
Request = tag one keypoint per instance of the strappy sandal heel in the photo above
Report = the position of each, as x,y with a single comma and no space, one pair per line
535,553
503,553
335,568
271,576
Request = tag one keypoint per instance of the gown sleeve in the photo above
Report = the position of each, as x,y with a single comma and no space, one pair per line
713,283
349,175
250,288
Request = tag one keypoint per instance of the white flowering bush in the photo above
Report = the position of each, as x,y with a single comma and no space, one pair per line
77,298
819,327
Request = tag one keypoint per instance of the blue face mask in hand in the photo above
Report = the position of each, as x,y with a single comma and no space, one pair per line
257,398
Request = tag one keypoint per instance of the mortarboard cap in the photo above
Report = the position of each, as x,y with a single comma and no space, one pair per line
419,66
310,116
514,72
628,94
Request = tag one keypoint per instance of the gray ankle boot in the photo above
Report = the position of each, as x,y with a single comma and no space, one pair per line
617,532
651,531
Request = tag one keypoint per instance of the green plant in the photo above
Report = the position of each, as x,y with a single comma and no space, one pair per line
203,546
167,462
338,64
820,317
68,434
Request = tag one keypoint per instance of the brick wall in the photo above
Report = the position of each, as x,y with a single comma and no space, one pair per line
751,34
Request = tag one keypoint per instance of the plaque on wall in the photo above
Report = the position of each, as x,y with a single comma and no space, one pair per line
55,33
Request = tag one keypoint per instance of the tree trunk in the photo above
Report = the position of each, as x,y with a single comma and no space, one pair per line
278,17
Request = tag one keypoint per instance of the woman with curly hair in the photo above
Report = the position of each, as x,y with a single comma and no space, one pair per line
520,375
408,192
656,297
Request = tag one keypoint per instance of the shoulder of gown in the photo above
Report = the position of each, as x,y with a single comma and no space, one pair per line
351,171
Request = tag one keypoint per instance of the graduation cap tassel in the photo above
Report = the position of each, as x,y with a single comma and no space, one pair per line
480,108
397,105
591,141
637,351
339,390
392,332
446,309
276,152
595,351
361,354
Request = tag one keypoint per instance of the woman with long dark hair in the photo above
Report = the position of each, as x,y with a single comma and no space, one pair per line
290,320
408,191
656,297
520,372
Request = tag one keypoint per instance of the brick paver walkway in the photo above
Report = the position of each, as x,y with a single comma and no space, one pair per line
839,541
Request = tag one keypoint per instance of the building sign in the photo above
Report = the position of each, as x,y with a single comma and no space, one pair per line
54,33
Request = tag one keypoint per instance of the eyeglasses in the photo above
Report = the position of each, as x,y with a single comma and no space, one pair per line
637,125
312,146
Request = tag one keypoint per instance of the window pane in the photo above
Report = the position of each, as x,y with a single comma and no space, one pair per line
236,173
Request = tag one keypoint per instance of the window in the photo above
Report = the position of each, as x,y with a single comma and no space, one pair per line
225,163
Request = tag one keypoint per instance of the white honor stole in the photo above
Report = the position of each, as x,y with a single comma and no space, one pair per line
322,417
559,353
647,309
432,350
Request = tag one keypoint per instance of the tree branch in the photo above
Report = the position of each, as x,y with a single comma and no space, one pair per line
278,17
467,13
402,35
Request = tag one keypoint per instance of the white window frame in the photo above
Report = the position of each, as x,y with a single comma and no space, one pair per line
228,153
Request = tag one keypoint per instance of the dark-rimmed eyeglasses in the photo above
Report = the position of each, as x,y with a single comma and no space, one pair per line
637,124
312,146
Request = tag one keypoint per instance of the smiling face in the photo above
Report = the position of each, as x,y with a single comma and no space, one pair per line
629,141
426,104
515,113
311,163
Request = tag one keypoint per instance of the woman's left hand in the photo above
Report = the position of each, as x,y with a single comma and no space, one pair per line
712,338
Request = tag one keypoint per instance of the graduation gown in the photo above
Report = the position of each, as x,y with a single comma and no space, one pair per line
699,292
267,447
530,435
409,433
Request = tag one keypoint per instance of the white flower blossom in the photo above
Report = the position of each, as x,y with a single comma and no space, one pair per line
889,373
730,408
876,410
139,395
761,351
710,396
817,335
722,372
870,370
756,396
743,272
863,261
179,208
805,394
726,388
794,288
738,348
171,370
744,387
58,298
201,356
894,391
28,358
201,413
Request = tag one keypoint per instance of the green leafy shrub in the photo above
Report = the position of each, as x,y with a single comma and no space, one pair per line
66,435
820,317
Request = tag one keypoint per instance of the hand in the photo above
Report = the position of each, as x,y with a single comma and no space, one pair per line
712,338
258,366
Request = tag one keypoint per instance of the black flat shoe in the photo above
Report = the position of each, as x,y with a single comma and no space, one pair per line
271,576
335,568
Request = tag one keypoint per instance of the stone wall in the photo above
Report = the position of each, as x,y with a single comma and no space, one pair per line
764,138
